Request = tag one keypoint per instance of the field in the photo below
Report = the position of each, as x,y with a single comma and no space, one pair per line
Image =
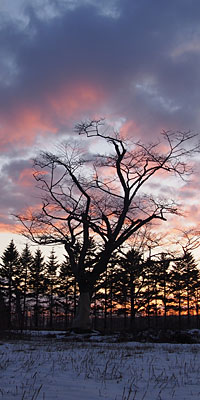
52,368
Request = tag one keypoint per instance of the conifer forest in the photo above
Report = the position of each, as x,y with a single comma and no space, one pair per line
41,293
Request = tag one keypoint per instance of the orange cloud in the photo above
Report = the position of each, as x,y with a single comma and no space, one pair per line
9,227
23,127
58,108
129,129
71,100
26,177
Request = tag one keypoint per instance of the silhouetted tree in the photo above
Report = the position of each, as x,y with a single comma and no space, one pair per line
9,268
190,277
37,283
102,196
150,291
176,289
26,260
131,283
3,310
184,283
67,290
51,279
162,283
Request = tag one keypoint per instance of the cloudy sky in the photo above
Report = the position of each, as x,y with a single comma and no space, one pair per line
134,62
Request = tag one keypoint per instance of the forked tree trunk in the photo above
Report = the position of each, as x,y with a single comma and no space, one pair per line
82,321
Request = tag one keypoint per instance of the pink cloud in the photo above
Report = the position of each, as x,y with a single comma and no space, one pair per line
8,227
26,177
130,130
28,121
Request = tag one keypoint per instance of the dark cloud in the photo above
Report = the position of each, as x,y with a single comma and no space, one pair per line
18,192
138,60
113,52
14,169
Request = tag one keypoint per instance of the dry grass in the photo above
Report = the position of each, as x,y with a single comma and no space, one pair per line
37,370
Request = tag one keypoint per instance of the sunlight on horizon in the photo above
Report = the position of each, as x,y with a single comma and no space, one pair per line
20,242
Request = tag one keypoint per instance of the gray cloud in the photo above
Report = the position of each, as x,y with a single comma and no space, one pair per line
17,188
133,57
144,55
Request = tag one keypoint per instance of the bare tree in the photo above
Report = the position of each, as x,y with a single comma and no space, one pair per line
102,197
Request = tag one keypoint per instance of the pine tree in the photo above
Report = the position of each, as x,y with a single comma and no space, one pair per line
190,276
176,285
9,269
66,290
37,283
3,311
109,284
132,283
51,284
161,273
184,285
26,260
150,290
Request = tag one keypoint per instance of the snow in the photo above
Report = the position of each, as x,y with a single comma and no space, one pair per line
41,368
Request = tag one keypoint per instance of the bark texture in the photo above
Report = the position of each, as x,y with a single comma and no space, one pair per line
82,321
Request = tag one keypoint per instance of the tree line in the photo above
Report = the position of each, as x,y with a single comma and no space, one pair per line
35,292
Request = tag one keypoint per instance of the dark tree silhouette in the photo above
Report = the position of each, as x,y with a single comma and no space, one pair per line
67,291
102,196
37,283
51,280
131,283
3,309
26,260
9,272
190,278
161,273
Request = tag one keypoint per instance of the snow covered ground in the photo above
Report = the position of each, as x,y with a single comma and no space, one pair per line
50,369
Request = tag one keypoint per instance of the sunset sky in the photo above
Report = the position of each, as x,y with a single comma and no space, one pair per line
134,62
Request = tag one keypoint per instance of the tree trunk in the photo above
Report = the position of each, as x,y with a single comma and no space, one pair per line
179,310
132,304
105,301
197,308
66,307
24,301
36,310
51,308
165,305
9,303
188,308
82,321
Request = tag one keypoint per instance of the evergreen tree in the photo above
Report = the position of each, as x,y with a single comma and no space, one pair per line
66,290
176,289
51,284
37,283
190,276
150,290
131,283
3,311
108,283
184,285
161,273
10,285
26,260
